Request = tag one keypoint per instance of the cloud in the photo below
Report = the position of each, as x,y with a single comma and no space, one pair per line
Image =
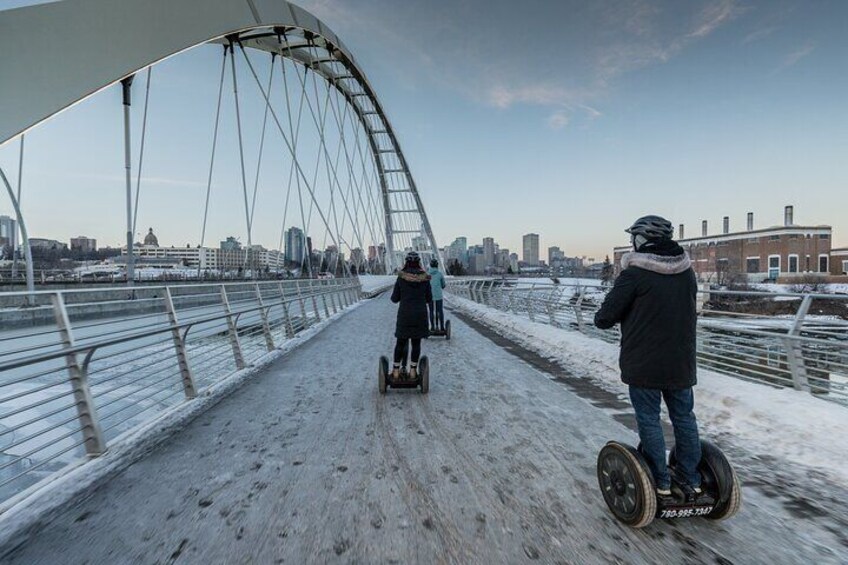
570,67
798,54
759,34
503,96
559,119
649,43
715,15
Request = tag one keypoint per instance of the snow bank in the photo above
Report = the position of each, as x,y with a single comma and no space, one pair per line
765,421
24,513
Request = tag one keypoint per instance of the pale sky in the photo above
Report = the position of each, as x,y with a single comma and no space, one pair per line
567,119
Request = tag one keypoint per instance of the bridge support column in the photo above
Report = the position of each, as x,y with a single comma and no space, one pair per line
266,327
89,423
233,327
179,347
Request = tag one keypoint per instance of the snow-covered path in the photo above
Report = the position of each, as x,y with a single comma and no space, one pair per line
308,463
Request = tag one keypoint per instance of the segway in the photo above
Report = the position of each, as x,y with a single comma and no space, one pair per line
629,490
446,333
386,380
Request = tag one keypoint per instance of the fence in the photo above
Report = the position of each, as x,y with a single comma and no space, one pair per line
782,339
79,368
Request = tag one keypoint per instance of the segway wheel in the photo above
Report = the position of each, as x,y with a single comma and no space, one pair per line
626,484
424,368
719,477
447,330
382,372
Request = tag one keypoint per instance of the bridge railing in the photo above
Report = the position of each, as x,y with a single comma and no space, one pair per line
781,339
79,368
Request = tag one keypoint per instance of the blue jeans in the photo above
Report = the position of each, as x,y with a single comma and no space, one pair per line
646,403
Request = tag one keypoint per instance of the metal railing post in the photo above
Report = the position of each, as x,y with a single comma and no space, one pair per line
530,308
266,327
578,310
794,352
86,412
324,300
314,300
231,324
550,306
302,304
284,302
180,348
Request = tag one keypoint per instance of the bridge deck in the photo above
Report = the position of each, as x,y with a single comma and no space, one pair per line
308,463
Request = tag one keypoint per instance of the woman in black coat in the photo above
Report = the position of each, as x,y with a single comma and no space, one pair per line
412,290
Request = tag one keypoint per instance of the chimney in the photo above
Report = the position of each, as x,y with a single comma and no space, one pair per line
726,225
788,212
750,221
680,232
704,228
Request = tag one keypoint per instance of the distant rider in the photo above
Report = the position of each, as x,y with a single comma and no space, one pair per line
412,290
654,300
435,308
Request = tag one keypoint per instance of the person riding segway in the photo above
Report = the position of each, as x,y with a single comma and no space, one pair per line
654,300
413,294
436,311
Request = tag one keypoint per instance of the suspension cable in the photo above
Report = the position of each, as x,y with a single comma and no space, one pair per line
141,150
241,153
214,146
262,140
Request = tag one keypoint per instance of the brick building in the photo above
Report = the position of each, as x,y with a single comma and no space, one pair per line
788,251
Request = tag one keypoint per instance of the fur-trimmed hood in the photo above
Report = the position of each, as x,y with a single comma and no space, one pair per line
662,264
414,277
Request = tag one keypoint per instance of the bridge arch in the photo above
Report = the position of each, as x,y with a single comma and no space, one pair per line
58,54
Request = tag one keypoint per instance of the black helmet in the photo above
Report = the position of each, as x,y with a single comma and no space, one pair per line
651,228
434,263
413,258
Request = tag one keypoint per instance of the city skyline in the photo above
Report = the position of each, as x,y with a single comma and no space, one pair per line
691,111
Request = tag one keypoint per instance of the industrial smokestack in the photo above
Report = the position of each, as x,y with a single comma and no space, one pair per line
788,212
704,228
680,234
750,221
726,225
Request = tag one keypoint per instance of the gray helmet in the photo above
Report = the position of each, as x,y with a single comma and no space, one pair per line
651,228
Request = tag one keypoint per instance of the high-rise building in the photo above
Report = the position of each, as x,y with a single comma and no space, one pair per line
295,245
531,249
83,244
459,250
489,251
555,254
8,232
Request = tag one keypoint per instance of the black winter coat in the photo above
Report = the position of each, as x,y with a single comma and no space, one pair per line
412,290
654,300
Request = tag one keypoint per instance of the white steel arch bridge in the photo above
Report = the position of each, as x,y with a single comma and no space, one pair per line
352,181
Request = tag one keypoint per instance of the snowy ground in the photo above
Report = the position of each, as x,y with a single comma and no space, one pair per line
308,463
811,430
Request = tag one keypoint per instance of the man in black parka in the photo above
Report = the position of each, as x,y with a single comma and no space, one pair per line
654,300
412,290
